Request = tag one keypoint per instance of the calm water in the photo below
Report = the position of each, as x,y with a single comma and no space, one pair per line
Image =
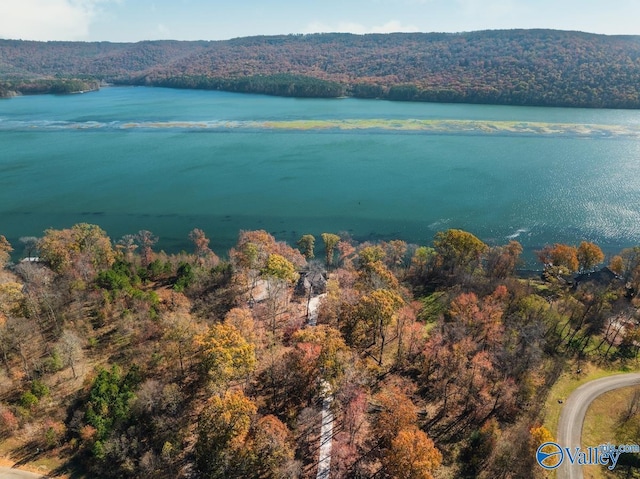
171,160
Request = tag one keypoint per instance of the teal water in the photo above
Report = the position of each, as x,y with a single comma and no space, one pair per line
171,160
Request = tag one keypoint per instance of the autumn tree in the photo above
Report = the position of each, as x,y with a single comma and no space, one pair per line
306,244
84,249
146,239
617,264
127,246
5,251
394,412
458,250
280,274
201,247
561,256
330,241
242,320
374,273
333,356
345,253
421,266
589,255
179,333
70,350
502,260
251,255
411,455
270,448
395,252
225,354
223,427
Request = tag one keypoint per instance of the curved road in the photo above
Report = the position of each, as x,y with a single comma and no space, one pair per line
574,411
11,473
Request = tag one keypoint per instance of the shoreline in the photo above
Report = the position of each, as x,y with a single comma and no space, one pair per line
103,84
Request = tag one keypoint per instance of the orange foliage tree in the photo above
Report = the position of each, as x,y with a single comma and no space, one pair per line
562,256
412,455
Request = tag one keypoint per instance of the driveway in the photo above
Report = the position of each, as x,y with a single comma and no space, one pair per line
10,473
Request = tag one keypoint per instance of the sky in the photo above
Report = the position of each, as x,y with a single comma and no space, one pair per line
137,20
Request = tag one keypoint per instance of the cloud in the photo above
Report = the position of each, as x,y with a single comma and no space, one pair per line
392,26
48,19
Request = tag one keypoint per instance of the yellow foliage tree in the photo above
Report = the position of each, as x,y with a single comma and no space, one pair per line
83,249
222,430
5,251
226,354
589,255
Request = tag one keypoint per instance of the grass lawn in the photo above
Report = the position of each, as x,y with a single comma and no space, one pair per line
602,415
601,425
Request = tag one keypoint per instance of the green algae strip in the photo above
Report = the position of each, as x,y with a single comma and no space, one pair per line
436,126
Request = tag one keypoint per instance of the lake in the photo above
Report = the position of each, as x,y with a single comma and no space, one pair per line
132,158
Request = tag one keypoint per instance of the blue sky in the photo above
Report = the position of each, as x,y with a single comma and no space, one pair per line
135,20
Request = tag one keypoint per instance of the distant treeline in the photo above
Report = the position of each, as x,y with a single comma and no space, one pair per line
515,67
278,85
42,86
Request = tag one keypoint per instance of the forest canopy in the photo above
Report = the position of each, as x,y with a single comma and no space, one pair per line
514,67
435,360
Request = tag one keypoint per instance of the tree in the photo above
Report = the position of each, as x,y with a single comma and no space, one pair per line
412,455
180,330
242,320
280,274
540,435
306,244
330,242
502,260
333,357
226,355
395,412
270,447
146,239
109,402
617,264
589,255
222,430
559,255
375,312
280,268
127,245
5,251
30,245
201,244
396,251
458,250
83,250
422,263
70,350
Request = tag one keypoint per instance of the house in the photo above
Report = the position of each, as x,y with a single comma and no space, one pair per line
311,283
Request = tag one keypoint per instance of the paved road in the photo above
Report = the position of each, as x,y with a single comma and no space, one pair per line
10,473
326,435
574,410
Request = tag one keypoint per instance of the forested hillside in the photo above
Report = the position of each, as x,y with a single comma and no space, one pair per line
117,360
520,67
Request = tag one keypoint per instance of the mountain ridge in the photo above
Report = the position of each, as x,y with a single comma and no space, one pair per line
513,67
